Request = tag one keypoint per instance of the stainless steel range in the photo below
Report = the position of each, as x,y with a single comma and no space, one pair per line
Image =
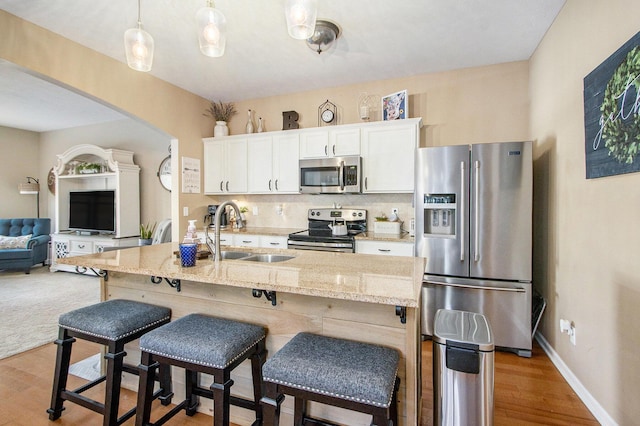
324,224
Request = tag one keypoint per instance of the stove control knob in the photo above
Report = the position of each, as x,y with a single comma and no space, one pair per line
360,214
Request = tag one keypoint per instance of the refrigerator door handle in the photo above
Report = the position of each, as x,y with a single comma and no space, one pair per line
476,244
461,214
480,287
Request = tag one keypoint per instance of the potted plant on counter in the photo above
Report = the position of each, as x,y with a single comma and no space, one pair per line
221,112
146,232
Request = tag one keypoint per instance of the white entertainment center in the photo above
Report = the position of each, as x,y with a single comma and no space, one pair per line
107,170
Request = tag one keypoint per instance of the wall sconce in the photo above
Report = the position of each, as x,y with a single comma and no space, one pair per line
138,46
31,188
301,18
212,30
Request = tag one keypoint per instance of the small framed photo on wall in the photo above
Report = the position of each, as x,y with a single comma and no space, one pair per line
395,106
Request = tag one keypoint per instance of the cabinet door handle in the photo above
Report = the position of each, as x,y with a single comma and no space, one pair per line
81,246
221,182
365,183
227,186
325,150
269,184
274,244
384,250
247,241
334,150
276,184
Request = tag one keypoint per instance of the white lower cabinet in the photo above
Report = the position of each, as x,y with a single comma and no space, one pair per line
273,241
252,240
385,248
246,240
70,245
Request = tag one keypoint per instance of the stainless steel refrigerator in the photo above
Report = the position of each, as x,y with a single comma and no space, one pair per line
474,225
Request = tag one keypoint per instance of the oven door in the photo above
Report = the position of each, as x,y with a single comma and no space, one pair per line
338,175
345,247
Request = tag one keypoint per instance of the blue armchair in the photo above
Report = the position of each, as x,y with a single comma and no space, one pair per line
36,247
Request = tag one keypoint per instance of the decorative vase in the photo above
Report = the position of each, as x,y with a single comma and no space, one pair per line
144,241
249,128
220,129
260,126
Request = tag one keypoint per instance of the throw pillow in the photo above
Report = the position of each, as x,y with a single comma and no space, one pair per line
14,242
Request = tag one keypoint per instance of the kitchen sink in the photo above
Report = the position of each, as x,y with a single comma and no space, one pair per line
267,258
231,255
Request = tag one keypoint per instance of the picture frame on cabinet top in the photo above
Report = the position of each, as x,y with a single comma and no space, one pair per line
395,106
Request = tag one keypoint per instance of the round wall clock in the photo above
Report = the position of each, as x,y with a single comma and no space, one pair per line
327,114
51,182
164,173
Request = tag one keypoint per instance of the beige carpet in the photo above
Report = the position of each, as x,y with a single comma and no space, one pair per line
31,304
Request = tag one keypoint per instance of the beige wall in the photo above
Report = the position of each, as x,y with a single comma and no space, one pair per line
20,158
586,231
152,101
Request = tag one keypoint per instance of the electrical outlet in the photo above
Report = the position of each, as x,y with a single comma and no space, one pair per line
255,210
570,328
185,211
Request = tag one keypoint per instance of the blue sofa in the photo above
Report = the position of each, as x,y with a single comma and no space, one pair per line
36,248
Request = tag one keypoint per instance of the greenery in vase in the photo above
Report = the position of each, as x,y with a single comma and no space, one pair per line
88,168
146,231
221,111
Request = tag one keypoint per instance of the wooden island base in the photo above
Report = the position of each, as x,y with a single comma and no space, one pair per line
370,322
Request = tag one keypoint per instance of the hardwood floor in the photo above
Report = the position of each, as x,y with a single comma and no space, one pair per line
527,392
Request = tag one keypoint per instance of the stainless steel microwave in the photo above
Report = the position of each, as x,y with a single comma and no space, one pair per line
337,175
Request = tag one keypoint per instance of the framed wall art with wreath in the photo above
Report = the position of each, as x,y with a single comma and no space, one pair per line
612,113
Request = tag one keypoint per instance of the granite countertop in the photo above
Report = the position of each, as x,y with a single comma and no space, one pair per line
403,237
254,230
389,280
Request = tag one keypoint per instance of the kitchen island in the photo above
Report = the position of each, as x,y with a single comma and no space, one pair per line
360,297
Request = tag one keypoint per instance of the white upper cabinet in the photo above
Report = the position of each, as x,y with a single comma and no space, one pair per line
272,161
330,142
388,155
267,163
225,165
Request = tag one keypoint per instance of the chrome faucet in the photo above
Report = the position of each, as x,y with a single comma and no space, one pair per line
219,212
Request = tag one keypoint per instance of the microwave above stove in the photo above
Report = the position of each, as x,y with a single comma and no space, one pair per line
337,175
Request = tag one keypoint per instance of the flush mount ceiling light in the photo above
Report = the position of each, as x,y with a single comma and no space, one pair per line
138,45
324,36
212,34
301,18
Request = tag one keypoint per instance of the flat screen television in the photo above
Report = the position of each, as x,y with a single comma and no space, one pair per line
92,211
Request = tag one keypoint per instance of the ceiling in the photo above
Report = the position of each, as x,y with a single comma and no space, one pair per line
380,39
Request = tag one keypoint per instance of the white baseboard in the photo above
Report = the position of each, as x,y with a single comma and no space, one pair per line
592,404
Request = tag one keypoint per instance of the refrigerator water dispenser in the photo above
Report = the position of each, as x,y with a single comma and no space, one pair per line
440,214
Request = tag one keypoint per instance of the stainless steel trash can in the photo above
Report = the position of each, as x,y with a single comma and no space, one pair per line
463,365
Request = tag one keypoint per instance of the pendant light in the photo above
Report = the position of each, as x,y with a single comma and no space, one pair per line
301,18
138,45
212,34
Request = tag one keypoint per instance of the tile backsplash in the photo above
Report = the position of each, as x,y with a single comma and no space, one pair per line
290,211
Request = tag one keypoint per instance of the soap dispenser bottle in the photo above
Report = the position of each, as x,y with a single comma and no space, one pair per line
191,234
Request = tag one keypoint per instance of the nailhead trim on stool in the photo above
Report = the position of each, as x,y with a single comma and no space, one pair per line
113,323
344,373
203,344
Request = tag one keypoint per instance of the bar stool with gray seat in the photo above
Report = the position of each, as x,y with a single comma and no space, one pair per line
342,373
112,323
202,344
